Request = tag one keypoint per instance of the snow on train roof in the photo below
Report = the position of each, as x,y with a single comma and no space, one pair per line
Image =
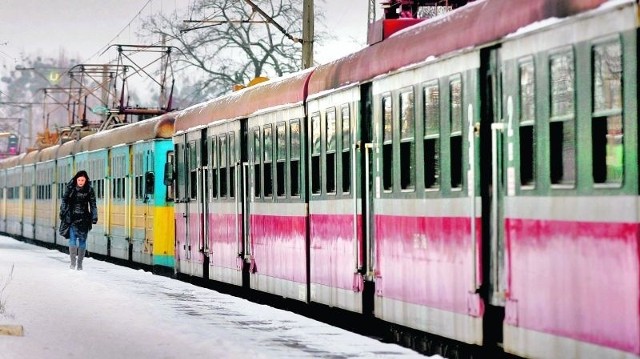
463,28
275,93
157,127
546,23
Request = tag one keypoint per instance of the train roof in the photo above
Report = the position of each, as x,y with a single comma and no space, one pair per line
30,158
49,153
12,161
477,23
278,92
66,149
157,127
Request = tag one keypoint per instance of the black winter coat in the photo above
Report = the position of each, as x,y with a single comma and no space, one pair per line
78,207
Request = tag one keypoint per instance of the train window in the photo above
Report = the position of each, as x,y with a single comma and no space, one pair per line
346,149
192,165
170,187
180,171
232,162
562,152
606,124
387,143
331,150
431,136
294,170
268,157
257,153
407,141
27,192
213,188
455,144
315,154
224,162
281,158
527,120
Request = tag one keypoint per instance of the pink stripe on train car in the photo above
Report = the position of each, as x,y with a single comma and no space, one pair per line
575,279
427,260
333,260
278,246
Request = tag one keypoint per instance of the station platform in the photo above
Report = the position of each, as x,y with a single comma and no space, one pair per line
109,311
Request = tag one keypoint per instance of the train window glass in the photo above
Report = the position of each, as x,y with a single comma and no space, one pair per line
331,150
562,152
527,120
232,162
606,126
281,158
180,171
192,165
315,154
387,143
455,144
407,141
224,163
346,149
294,170
268,157
431,136
170,188
257,153
213,188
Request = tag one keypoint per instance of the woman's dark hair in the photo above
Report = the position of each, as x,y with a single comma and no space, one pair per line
81,173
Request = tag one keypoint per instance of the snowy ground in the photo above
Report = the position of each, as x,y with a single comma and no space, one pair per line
108,311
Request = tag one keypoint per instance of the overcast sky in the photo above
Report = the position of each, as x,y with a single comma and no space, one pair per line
85,27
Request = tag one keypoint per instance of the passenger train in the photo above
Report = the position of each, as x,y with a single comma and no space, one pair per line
473,177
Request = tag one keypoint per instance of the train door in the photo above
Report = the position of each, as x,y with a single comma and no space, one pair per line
364,131
3,197
180,204
142,229
223,208
119,209
195,204
494,177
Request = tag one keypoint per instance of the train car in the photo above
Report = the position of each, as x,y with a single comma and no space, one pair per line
235,201
566,187
135,205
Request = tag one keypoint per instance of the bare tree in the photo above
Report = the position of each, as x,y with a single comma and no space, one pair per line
224,43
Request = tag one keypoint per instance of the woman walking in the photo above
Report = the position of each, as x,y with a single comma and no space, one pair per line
78,209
